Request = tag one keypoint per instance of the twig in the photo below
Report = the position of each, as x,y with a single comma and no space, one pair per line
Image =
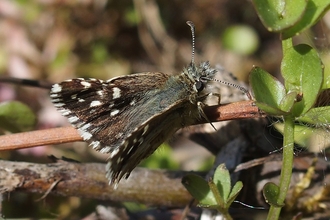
237,110
153,187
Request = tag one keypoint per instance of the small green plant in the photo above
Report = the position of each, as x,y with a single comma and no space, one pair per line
304,80
216,193
303,75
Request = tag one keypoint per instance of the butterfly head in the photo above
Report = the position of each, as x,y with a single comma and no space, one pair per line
201,74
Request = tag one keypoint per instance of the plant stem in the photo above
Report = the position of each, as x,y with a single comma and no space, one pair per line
286,172
288,140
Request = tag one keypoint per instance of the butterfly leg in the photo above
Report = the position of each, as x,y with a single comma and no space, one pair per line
201,111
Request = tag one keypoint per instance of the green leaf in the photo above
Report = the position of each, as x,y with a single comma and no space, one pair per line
277,15
200,190
317,120
270,110
312,126
234,192
314,11
311,137
16,117
222,180
302,71
288,101
271,192
326,74
268,91
319,115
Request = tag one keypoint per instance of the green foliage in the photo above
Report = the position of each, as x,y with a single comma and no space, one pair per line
99,53
314,10
303,74
161,160
271,192
241,39
316,115
16,117
302,71
217,193
268,91
278,15
290,17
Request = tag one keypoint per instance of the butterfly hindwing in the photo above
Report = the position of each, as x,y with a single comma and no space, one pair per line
145,139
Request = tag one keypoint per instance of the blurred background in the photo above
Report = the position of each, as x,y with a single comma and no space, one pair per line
54,40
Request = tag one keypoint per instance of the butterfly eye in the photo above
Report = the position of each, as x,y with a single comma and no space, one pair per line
199,86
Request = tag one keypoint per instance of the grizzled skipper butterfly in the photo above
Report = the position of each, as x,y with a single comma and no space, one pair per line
130,116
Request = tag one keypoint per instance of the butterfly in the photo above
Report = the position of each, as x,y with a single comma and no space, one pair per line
128,117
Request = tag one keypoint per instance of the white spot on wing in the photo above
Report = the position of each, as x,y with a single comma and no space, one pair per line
108,166
105,149
114,152
56,88
85,126
120,159
74,96
95,129
81,100
56,100
54,95
116,93
85,135
130,149
95,103
118,135
100,93
85,84
65,112
95,144
132,102
141,140
145,129
114,112
59,105
73,119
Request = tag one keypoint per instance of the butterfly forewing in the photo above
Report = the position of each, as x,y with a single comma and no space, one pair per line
98,110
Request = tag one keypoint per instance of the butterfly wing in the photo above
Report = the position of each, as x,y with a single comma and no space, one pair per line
128,117
98,109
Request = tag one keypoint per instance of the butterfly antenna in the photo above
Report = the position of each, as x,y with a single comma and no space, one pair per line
244,90
192,28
